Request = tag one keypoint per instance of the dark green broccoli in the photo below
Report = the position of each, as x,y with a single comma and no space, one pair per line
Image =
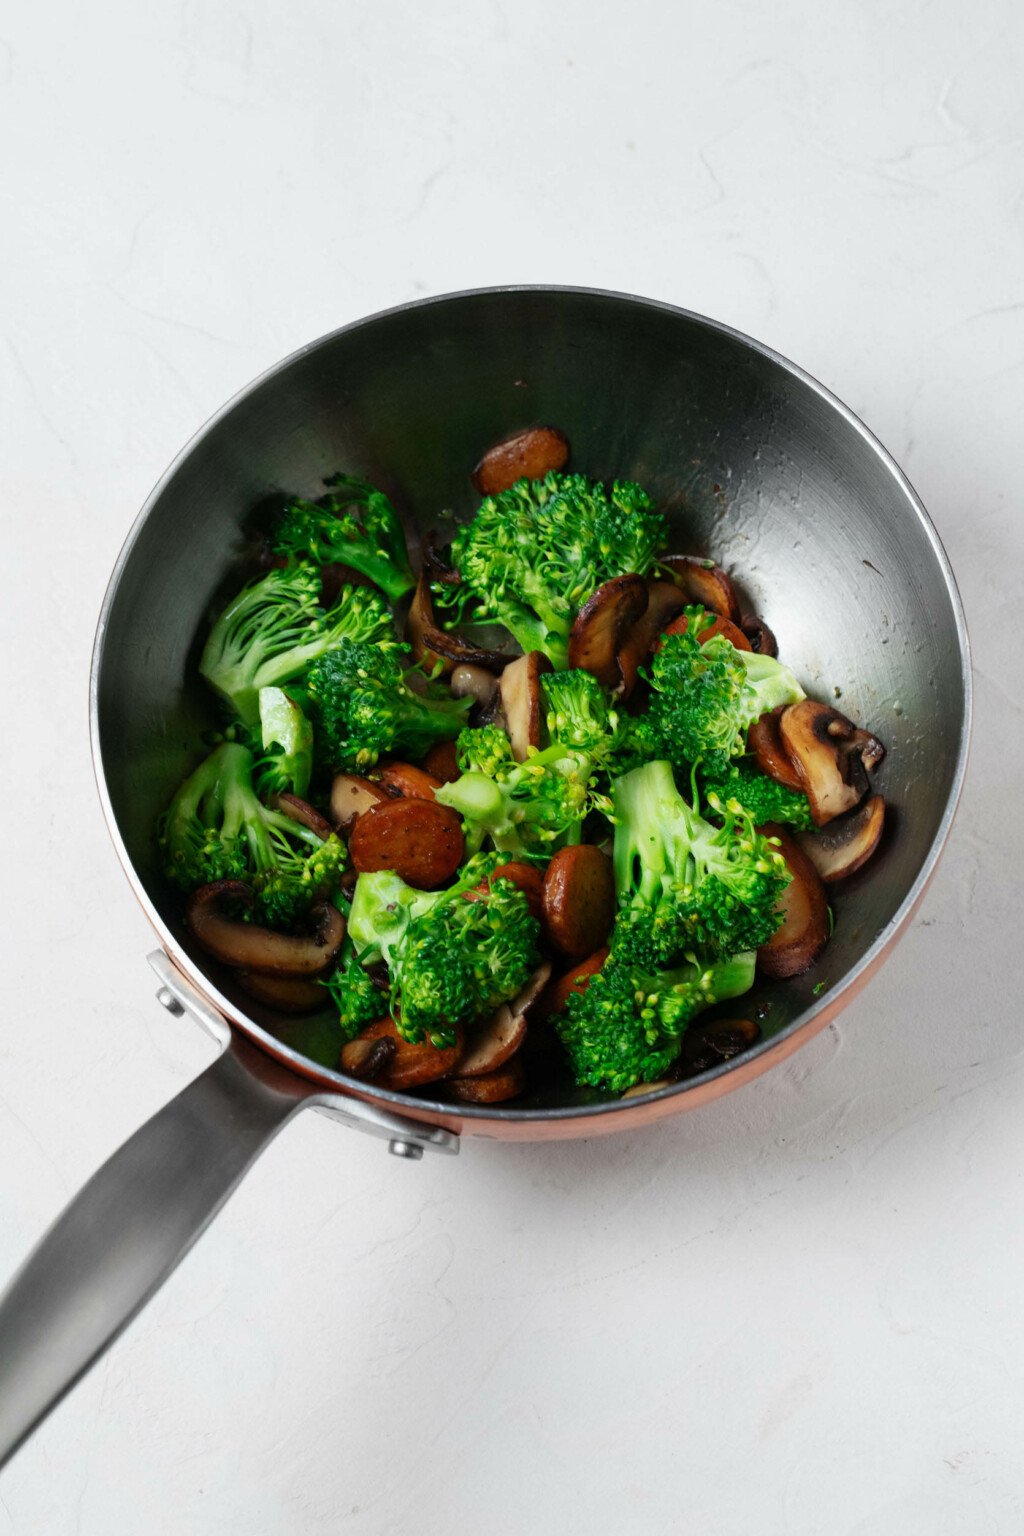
355,994
363,705
453,955
355,525
525,809
719,885
627,1026
704,697
275,628
216,828
763,797
286,762
534,554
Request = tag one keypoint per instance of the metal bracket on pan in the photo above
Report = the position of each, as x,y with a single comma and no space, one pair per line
405,1138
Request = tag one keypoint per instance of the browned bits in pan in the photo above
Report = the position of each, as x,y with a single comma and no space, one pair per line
419,839
529,455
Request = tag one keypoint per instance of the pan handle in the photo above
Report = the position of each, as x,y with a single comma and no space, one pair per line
126,1230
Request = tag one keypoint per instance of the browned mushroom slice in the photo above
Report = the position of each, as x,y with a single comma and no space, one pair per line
665,602
350,797
639,1089
703,582
472,682
249,947
601,627
829,754
367,1059
764,741
301,811
762,639
529,455
288,994
803,932
846,843
492,1087
431,644
492,1045
522,701
409,1066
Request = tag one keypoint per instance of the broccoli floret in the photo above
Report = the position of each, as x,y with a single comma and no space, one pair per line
763,797
580,715
271,632
534,554
363,705
720,884
525,809
627,1027
454,955
484,749
216,828
286,762
705,696
354,524
355,994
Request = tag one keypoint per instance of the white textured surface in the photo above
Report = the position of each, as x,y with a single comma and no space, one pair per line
797,1312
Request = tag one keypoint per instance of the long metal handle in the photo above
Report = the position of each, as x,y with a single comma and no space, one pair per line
128,1228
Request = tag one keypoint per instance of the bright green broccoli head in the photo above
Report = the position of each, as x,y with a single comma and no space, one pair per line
275,628
534,554
705,696
354,525
453,955
355,994
724,882
286,762
362,706
484,749
217,828
527,809
579,715
763,798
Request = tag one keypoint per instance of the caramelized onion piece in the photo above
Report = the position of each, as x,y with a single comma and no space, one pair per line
846,843
249,947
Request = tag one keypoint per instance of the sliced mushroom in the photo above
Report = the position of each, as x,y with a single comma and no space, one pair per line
830,755
491,1046
493,1087
367,1059
432,645
718,626
301,811
804,930
602,625
639,1089
404,780
664,603
529,455
762,639
707,1045
703,582
473,682
846,843
350,797
764,740
249,947
408,1066
288,994
522,702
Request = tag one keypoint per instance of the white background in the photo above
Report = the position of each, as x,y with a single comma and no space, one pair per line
796,1312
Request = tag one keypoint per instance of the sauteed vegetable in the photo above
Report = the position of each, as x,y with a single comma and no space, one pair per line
542,846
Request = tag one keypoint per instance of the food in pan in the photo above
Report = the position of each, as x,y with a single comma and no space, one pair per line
579,804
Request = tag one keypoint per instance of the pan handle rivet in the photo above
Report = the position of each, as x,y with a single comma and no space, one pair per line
405,1149
167,999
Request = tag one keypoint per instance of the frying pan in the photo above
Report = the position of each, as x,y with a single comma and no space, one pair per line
753,461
